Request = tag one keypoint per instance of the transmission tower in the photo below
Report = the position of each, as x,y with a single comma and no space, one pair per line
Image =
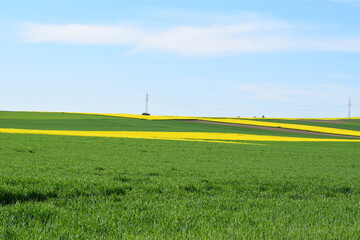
146,104
349,110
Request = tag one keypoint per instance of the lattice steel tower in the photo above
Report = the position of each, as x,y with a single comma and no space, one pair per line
146,105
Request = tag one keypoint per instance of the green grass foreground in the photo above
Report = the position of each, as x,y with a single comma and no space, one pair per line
63,187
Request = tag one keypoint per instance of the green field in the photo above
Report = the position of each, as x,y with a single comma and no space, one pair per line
65,187
84,122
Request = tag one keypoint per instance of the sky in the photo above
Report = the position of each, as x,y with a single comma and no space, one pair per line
279,58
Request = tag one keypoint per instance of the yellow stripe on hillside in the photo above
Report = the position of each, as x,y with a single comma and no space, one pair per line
181,136
242,121
288,126
144,117
154,117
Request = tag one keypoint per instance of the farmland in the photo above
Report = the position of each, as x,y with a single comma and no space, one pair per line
56,186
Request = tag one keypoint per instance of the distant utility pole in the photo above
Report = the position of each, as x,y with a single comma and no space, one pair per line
146,104
349,110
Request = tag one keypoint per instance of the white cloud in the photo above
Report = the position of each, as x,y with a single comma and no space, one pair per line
247,36
81,34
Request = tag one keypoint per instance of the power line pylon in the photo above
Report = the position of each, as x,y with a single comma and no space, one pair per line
349,109
146,105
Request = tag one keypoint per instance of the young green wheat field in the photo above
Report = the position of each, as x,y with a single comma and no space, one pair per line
88,176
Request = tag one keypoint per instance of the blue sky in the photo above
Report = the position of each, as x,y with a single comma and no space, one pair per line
297,58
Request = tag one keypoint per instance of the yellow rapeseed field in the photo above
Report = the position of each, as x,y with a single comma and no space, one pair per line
243,121
154,117
288,126
145,117
180,136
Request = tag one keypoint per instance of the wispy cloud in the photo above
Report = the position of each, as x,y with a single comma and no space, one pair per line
247,36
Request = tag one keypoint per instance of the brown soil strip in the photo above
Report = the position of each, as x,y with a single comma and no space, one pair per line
272,128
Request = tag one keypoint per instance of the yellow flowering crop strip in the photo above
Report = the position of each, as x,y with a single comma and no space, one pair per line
145,117
180,136
154,117
287,126
243,121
